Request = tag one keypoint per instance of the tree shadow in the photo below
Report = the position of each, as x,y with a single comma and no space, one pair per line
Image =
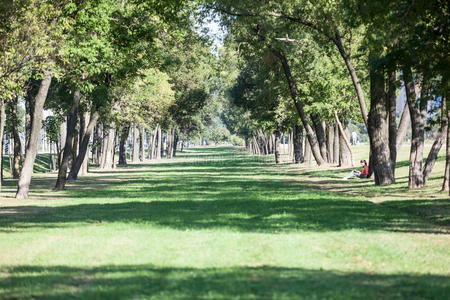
436,210
318,214
264,282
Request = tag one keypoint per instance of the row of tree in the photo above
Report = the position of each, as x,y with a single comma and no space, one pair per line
316,63
101,68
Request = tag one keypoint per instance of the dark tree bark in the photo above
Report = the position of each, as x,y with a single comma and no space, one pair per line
417,103
321,136
81,157
105,135
277,143
159,146
379,129
135,157
123,144
446,183
31,90
68,147
2,134
175,143
437,145
74,148
141,143
299,106
96,140
298,144
168,144
392,104
17,144
27,168
84,123
336,145
116,138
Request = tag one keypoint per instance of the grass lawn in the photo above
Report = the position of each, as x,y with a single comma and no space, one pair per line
215,223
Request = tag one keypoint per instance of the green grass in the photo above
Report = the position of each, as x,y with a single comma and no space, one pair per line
214,223
41,164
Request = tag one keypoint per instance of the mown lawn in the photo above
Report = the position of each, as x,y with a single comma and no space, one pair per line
215,223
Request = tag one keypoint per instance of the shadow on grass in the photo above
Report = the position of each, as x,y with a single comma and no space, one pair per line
147,281
242,195
436,210
319,215
41,164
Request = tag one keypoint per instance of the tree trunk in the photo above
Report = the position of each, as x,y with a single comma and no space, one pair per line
330,142
392,104
68,147
299,106
105,136
149,144
359,92
141,143
109,159
152,150
336,154
417,103
74,148
2,135
168,144
321,137
10,146
116,138
62,140
344,141
379,130
446,183
29,106
82,153
308,158
123,144
175,143
135,143
17,144
439,141
159,147
277,143
298,144
345,156
27,168
83,131
108,146
403,126
95,144
99,143
256,148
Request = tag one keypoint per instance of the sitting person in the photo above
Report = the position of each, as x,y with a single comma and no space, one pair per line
364,174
